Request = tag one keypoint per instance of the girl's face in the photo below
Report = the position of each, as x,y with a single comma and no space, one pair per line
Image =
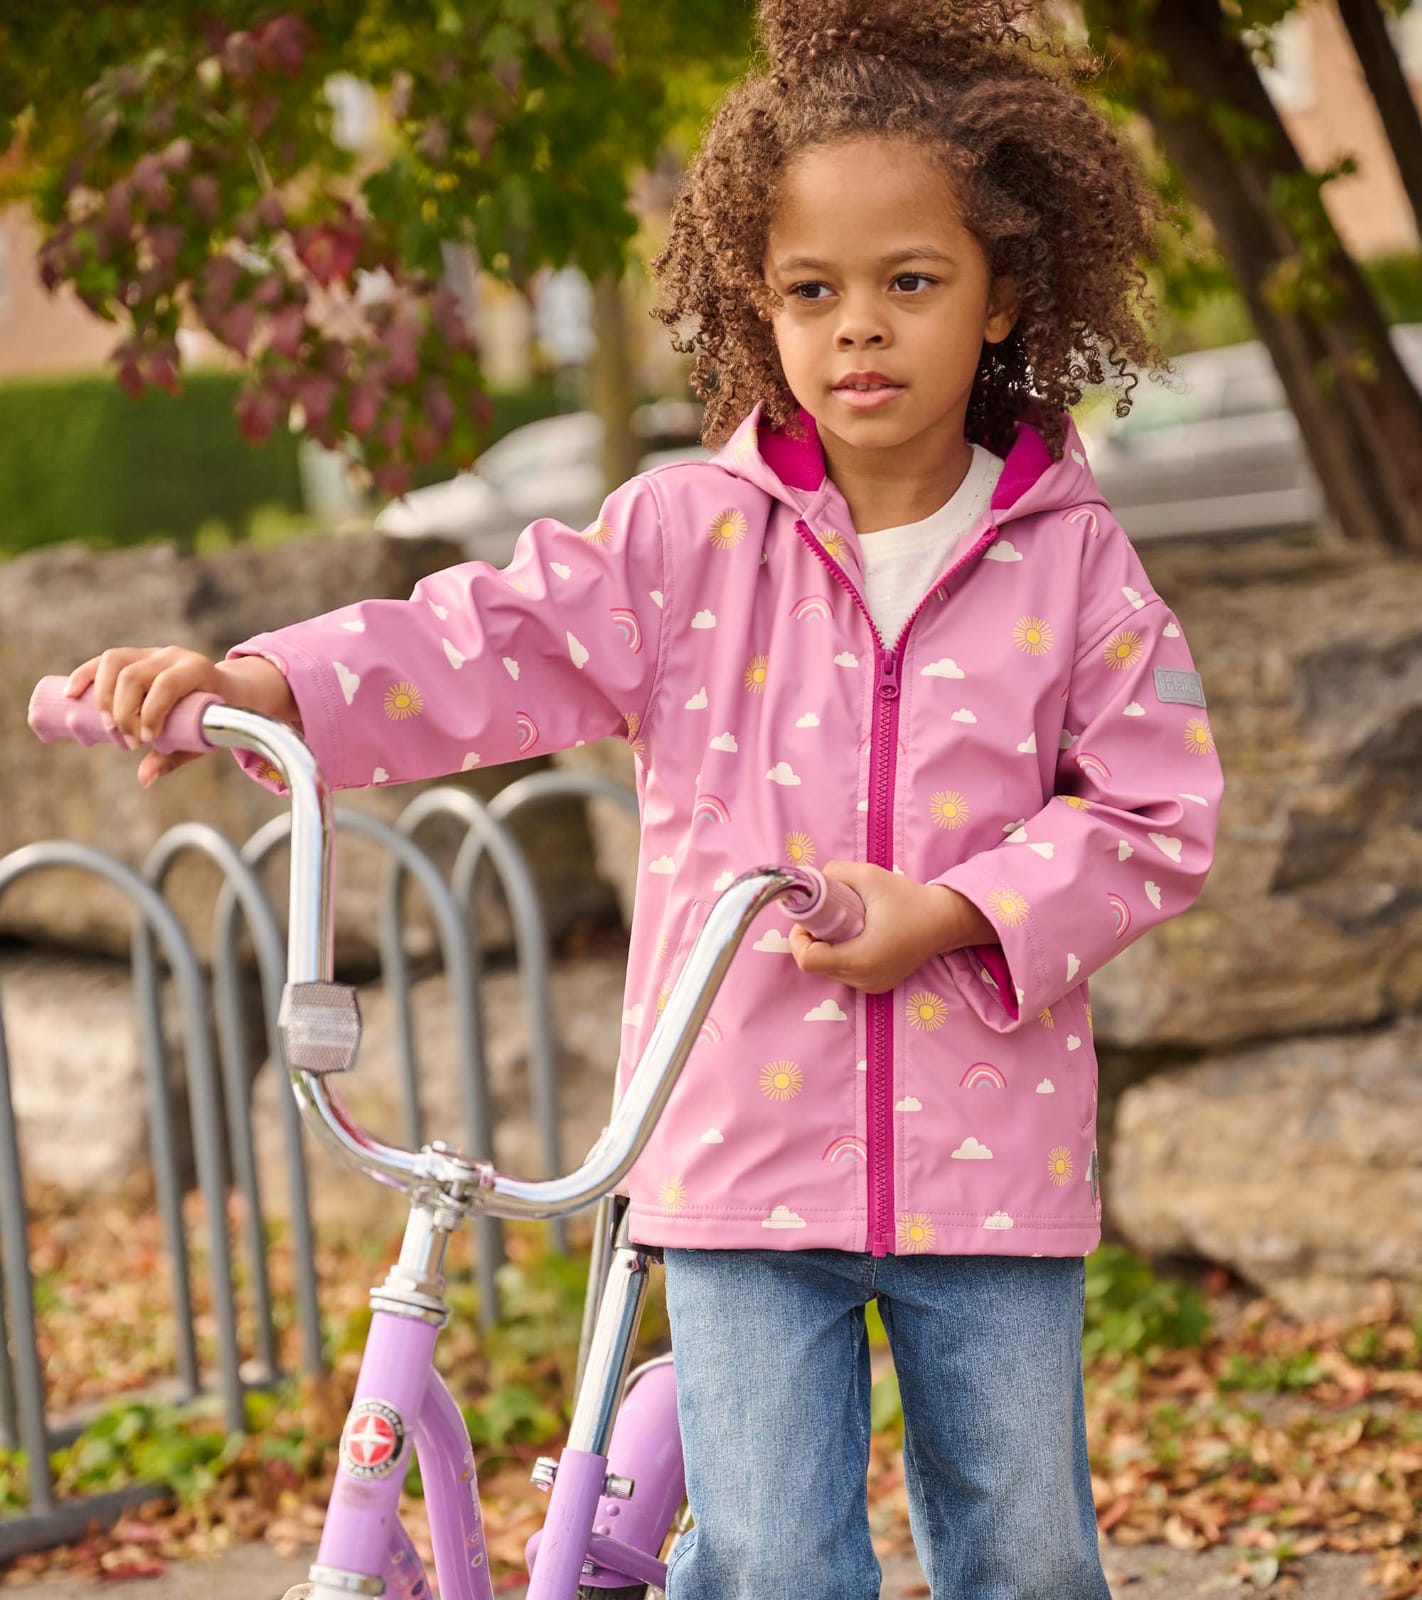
888,297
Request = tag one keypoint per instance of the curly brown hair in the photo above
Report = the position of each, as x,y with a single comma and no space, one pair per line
1048,187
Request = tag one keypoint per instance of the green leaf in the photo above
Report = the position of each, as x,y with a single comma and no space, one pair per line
885,1406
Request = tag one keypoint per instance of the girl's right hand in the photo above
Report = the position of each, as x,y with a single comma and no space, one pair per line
136,687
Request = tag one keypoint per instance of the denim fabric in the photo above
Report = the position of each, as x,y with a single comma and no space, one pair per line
772,1370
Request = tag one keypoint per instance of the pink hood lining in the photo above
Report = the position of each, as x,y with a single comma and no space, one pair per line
800,463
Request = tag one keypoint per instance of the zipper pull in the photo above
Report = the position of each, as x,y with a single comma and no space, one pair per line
889,676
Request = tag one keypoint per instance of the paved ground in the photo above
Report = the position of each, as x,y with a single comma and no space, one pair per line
1146,1572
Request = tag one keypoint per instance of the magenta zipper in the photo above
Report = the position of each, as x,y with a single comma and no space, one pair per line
883,750
883,764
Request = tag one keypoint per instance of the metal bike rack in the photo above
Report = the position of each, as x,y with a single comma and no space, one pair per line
535,789
48,1521
222,1085
241,885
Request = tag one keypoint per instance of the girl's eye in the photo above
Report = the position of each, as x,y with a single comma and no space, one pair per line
908,281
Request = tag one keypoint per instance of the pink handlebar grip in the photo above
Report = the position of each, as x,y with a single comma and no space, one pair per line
53,715
833,912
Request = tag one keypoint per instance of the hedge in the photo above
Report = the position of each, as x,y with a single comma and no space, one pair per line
79,459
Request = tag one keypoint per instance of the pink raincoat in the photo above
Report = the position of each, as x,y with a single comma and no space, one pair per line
1036,738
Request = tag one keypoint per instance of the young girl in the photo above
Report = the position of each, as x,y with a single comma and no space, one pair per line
891,629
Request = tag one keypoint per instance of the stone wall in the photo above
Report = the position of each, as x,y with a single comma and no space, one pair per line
1276,1022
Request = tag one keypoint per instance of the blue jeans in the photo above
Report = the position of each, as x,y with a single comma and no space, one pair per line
772,1372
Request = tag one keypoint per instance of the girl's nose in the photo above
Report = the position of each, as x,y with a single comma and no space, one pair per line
852,335
859,325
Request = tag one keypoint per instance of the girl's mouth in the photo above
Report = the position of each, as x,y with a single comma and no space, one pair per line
868,396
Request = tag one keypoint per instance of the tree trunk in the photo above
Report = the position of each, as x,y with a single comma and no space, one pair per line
612,382
1364,438
1388,83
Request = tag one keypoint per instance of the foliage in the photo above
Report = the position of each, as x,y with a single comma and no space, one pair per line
522,1374
1213,312
1298,1369
1313,275
78,460
1132,1312
191,167
1397,281
188,165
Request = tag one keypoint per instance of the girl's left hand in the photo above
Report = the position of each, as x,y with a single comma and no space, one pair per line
905,923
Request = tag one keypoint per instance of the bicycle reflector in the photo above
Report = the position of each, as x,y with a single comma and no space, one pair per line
319,1025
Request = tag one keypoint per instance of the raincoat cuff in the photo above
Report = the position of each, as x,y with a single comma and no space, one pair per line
994,979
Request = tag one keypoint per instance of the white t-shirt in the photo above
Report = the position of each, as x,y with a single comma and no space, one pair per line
900,563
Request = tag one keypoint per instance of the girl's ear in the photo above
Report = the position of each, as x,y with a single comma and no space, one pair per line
1003,306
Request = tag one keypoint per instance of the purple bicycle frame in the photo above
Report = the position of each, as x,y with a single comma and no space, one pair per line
362,1532
363,1544
645,1449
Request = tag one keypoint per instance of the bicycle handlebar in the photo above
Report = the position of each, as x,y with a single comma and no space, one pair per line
204,722
53,715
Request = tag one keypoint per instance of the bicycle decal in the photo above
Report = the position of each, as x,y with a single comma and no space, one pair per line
372,1439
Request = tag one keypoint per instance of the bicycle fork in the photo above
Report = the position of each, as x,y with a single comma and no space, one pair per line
604,1528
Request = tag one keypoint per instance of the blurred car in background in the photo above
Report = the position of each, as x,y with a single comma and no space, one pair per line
549,468
1225,457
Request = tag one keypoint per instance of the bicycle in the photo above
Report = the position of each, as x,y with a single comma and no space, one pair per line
622,1464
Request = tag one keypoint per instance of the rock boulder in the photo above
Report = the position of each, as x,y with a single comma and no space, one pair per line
1293,1161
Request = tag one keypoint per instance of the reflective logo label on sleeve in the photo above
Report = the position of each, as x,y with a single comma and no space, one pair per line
1180,688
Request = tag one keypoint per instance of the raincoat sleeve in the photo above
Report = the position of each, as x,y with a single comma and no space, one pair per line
483,665
1127,837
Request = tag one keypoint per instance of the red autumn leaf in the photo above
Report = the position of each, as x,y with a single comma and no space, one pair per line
257,411
363,406
329,252
283,42
204,197
238,57
150,182
130,377
393,477
163,369
285,329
